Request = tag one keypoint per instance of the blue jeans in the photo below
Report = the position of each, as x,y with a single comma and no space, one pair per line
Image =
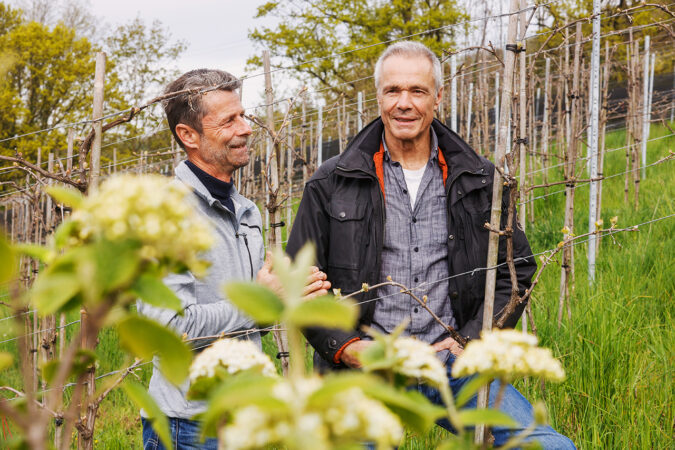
184,436
513,403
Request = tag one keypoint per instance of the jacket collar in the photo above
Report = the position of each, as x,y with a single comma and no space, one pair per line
185,175
459,156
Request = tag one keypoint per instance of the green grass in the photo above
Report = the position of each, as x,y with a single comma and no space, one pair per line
616,349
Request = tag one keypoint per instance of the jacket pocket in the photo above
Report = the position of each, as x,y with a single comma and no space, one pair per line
347,232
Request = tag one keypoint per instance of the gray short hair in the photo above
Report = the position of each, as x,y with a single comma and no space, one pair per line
188,108
410,48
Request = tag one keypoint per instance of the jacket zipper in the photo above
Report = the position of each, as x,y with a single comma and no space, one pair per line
248,250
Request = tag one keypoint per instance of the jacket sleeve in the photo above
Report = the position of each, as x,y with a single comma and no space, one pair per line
312,224
525,265
197,319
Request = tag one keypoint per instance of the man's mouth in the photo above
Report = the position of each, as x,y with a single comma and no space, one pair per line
238,145
405,119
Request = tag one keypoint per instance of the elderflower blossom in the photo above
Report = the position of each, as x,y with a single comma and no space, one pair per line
150,209
507,354
349,416
416,359
235,356
353,416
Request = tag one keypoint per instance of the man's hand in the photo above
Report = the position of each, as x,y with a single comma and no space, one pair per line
316,281
317,284
448,344
350,354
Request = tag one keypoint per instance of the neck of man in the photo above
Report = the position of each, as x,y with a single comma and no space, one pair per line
411,154
216,172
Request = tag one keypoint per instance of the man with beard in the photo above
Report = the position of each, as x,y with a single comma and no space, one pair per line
207,120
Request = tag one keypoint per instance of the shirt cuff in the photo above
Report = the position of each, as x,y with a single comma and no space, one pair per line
338,354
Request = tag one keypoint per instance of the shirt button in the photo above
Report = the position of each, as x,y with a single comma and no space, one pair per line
417,249
483,181
342,215
414,219
416,309
416,279
451,237
459,192
405,191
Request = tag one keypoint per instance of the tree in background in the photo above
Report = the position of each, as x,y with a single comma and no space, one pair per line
47,54
321,33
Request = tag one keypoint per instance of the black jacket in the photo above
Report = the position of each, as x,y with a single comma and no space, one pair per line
342,213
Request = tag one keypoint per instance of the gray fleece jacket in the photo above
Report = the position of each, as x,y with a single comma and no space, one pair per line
237,254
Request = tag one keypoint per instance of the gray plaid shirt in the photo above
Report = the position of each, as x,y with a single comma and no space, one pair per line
415,252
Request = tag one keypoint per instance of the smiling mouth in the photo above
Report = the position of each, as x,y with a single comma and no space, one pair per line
404,120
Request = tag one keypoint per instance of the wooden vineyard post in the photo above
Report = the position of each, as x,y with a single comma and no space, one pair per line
570,161
497,189
99,80
594,132
272,181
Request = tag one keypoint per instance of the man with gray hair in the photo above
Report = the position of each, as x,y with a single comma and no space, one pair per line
408,198
207,120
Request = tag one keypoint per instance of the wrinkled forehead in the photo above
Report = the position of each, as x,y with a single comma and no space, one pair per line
406,71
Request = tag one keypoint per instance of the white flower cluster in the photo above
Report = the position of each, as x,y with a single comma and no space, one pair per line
350,417
353,416
151,209
507,355
417,359
235,356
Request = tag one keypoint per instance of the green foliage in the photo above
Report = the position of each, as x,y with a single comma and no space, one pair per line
139,395
49,81
146,338
154,292
316,29
8,258
6,360
263,305
326,312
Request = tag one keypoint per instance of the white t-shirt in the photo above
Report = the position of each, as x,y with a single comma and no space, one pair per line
413,178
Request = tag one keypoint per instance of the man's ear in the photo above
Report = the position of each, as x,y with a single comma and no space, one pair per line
188,136
439,98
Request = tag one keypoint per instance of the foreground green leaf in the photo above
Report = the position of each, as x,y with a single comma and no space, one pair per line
51,291
146,338
263,305
139,395
489,417
325,312
413,408
7,261
6,360
68,196
154,292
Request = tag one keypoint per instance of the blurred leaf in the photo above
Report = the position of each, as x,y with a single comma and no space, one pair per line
154,292
374,357
257,301
470,389
6,360
489,417
38,252
7,261
63,233
116,263
293,276
139,395
242,389
413,408
336,383
51,291
68,196
325,312
146,338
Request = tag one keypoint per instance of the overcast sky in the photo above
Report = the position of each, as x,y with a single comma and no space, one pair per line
215,31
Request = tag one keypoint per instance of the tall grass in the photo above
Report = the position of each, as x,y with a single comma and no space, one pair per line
617,348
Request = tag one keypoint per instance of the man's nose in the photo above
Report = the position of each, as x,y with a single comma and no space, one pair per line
244,127
404,100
